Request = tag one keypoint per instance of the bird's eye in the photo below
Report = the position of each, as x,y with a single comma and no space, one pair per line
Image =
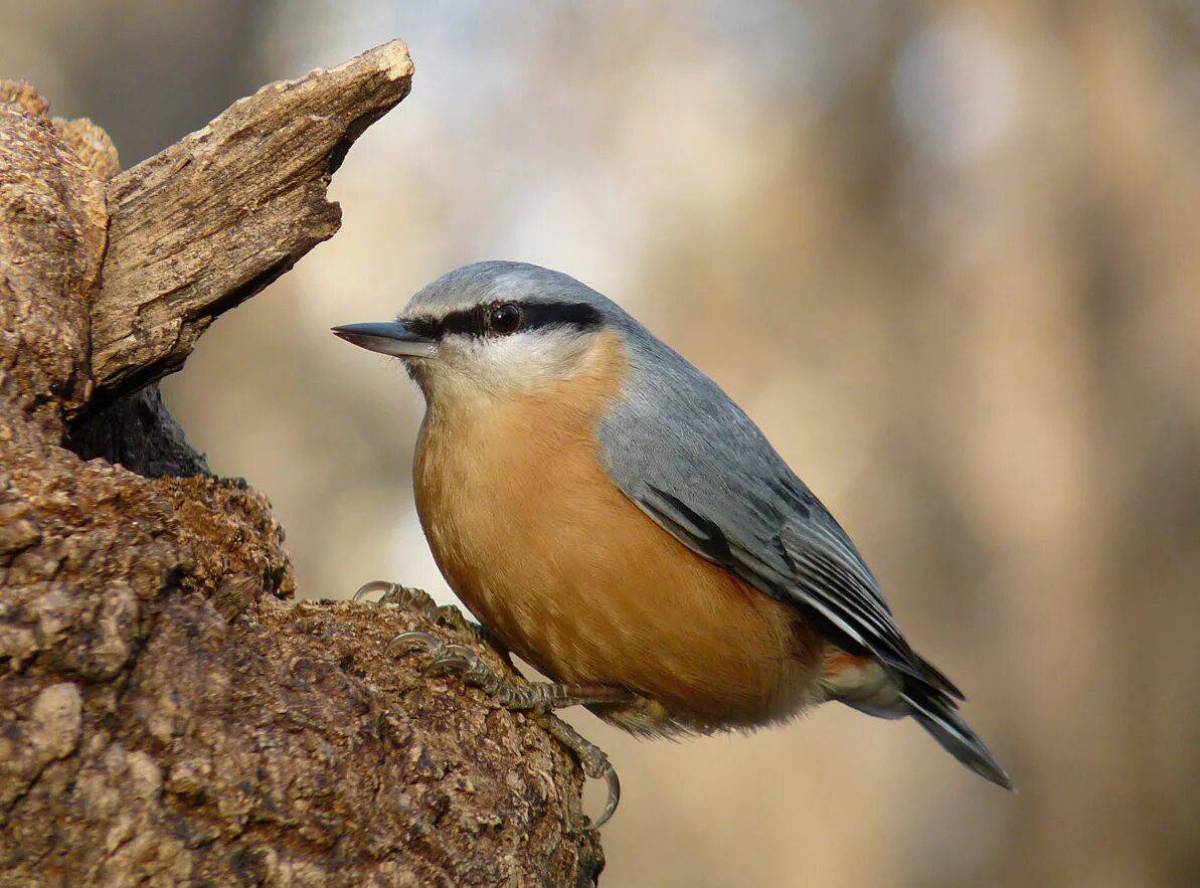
504,319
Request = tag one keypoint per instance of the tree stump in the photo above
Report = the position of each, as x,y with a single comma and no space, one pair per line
167,715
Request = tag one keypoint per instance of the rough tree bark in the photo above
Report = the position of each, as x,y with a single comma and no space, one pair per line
166,715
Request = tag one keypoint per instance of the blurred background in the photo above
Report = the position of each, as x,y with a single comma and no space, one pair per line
944,253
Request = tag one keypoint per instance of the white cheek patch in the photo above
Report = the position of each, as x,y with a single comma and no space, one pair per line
506,363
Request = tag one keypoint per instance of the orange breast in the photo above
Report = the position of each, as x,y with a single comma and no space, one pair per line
569,574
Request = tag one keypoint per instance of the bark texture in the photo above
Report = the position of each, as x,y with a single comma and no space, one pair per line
167,716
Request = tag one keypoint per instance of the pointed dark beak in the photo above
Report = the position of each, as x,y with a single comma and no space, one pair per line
388,338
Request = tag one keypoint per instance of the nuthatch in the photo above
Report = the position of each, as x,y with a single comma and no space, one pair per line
613,518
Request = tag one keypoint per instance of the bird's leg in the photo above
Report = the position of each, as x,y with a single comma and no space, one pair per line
418,601
542,698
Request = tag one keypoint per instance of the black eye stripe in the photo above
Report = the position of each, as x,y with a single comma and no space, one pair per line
424,326
573,314
474,321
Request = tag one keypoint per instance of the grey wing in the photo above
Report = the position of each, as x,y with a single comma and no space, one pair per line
696,464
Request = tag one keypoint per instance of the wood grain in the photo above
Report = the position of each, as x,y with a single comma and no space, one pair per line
211,220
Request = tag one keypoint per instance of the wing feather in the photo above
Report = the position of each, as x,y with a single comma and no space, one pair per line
692,461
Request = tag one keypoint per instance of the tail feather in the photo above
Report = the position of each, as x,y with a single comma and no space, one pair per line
938,678
936,714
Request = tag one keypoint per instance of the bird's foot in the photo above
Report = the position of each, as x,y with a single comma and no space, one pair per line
418,601
509,693
592,759
540,697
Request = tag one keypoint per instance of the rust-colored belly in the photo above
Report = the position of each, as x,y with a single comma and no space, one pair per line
559,565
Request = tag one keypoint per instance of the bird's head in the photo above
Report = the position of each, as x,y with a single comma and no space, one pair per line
492,329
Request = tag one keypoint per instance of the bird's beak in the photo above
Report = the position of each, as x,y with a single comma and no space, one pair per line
388,338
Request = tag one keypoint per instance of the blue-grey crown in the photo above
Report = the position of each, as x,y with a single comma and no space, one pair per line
483,283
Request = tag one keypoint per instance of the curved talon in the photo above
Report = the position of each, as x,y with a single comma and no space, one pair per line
374,586
423,639
455,658
443,666
447,665
614,797
461,652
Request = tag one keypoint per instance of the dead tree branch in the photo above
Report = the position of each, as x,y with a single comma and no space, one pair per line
216,217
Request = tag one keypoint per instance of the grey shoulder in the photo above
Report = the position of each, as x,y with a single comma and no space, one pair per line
677,430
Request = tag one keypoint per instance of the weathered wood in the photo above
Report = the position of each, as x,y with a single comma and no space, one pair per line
217,216
166,715
53,230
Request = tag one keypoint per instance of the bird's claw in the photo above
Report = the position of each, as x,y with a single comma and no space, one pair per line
413,640
445,659
596,766
592,760
614,797
418,601
454,658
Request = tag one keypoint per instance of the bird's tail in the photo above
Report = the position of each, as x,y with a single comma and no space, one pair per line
936,712
911,688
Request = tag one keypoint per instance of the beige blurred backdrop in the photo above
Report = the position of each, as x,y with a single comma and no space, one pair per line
944,253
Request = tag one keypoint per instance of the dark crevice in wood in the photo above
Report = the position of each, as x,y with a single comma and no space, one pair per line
136,431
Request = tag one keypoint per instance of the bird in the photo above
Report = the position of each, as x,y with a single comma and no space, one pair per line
613,518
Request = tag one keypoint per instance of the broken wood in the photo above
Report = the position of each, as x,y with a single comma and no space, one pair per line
210,221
